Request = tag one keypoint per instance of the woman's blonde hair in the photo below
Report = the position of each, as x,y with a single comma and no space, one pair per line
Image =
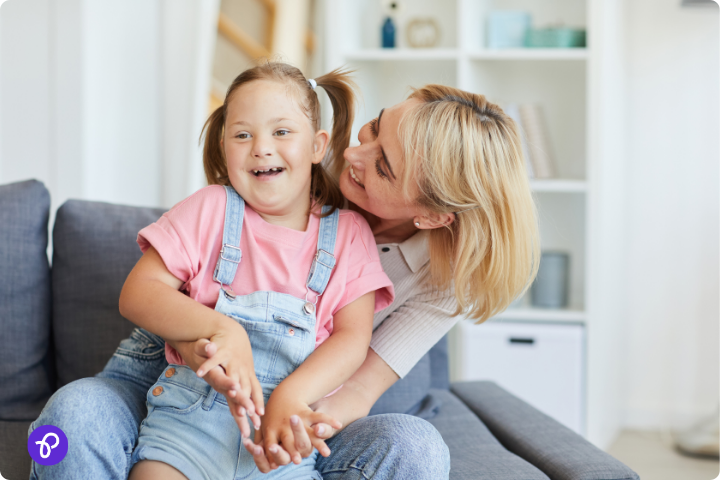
465,156
339,88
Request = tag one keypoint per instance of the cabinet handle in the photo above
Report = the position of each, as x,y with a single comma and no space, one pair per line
526,341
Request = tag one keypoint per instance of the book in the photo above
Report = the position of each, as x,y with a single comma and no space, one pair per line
539,146
512,110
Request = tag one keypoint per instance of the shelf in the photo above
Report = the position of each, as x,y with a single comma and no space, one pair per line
543,315
384,54
558,185
530,54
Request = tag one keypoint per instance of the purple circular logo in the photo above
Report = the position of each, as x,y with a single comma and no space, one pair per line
47,445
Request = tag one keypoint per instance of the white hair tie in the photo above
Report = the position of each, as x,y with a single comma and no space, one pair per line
312,83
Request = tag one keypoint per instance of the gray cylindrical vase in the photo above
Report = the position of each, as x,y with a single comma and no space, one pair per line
550,288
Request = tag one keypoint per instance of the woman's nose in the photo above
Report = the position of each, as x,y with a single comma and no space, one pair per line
359,155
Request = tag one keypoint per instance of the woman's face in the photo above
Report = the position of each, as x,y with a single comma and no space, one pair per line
372,181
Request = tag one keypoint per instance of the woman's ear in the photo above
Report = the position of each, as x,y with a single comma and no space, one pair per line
433,220
320,144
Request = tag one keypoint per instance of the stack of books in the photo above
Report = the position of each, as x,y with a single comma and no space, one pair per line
536,144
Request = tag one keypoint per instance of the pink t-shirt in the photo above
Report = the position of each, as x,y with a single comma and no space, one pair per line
274,258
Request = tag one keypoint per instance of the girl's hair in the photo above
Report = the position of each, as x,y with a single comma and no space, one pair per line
465,156
339,88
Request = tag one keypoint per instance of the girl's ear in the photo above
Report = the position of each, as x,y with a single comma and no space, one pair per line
433,220
320,144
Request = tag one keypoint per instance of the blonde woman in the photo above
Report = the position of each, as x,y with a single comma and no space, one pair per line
441,180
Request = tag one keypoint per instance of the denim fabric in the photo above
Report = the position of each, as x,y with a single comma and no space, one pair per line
26,373
189,425
93,252
101,417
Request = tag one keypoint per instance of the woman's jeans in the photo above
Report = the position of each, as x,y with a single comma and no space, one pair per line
101,416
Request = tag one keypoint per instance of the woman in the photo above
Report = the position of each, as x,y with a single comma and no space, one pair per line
441,180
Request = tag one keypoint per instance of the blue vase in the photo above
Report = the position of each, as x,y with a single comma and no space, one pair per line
388,33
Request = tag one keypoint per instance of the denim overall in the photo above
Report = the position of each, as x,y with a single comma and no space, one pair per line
189,424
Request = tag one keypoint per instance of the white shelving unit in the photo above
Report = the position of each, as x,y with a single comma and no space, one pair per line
576,88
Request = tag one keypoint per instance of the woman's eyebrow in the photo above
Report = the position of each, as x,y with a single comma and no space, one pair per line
387,164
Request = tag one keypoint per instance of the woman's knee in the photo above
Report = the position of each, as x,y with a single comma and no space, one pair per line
95,403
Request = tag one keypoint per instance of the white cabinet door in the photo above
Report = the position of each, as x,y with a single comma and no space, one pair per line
543,364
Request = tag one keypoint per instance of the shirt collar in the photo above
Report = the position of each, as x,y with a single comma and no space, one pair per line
415,250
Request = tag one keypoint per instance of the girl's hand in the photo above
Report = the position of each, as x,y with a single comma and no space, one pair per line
196,355
286,432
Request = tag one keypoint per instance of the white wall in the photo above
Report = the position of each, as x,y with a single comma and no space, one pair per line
105,100
673,77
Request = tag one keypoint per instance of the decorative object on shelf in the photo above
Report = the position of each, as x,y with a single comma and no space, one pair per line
512,110
539,147
422,32
388,30
506,29
550,288
555,37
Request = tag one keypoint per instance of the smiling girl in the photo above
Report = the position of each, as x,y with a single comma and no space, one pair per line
267,267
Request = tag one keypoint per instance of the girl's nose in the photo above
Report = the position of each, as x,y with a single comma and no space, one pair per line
262,147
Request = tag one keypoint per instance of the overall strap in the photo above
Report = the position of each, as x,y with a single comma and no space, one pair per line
230,253
324,260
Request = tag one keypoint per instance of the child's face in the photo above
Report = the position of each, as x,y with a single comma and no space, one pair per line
270,146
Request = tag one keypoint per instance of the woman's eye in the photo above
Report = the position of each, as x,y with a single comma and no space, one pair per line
282,133
379,170
373,126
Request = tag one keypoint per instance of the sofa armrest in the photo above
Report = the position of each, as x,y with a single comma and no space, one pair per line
530,434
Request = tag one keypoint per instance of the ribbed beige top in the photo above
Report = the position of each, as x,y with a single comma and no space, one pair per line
419,317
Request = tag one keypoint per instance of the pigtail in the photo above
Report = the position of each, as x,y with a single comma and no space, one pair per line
341,90
213,159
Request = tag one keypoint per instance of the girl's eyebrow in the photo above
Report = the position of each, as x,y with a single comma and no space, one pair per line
272,120
387,164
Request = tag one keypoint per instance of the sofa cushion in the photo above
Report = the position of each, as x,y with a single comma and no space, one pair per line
475,454
94,251
26,374
14,457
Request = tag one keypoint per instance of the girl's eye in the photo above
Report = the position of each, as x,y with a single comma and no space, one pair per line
379,170
282,133
373,127
242,136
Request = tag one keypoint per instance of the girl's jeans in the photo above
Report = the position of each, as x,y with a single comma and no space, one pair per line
101,416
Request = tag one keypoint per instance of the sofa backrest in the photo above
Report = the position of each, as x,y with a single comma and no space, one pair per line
95,249
26,374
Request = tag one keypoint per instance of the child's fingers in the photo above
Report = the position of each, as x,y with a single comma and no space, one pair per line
301,438
220,381
200,348
318,417
258,455
257,395
278,455
288,443
241,421
209,364
321,446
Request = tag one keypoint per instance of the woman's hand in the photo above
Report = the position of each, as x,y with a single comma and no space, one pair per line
196,355
286,434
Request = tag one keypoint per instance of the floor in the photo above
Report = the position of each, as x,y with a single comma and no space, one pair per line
652,457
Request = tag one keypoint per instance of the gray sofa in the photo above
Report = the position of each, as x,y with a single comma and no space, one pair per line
62,323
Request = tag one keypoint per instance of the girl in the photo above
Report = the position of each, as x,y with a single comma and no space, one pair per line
293,285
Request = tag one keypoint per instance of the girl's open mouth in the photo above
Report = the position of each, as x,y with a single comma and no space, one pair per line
269,172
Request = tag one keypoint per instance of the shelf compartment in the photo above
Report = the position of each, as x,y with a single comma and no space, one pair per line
542,315
558,186
530,54
385,54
